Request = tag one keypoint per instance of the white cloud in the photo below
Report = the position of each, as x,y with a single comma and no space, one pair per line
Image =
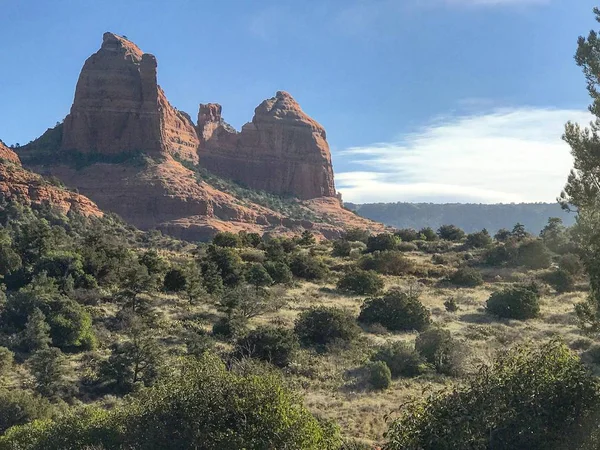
509,155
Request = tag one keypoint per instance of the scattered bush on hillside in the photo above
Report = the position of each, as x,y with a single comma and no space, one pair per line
387,263
514,303
382,242
396,310
175,280
466,277
450,233
528,398
428,234
321,326
533,254
561,280
308,267
441,350
279,272
341,248
274,345
361,282
571,263
380,376
402,359
480,239
356,235
407,235
256,275
18,407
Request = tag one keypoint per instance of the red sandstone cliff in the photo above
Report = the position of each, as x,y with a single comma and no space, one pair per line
17,183
282,150
120,108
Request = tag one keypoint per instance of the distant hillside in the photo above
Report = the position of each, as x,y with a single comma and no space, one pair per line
468,216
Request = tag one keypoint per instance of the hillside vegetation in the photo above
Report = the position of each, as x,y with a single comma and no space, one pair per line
114,338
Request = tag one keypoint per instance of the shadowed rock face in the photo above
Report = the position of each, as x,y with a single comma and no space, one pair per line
282,150
120,108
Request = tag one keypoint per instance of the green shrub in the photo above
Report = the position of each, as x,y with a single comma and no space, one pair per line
274,345
227,262
6,362
407,247
396,311
230,327
428,234
380,376
308,267
571,263
533,254
407,234
441,350
307,239
501,254
382,242
450,233
203,405
321,326
387,263
402,359
175,280
528,399
356,235
560,280
257,275
451,305
361,282
514,303
18,407
480,239
466,277
227,239
279,272
341,248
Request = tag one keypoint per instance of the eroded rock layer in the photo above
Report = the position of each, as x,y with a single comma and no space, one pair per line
282,150
120,108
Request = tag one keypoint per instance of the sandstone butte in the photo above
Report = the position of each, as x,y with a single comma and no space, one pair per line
17,183
120,111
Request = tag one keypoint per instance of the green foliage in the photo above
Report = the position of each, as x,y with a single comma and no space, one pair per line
428,234
257,275
341,248
279,272
387,263
451,305
503,235
356,235
205,406
227,262
480,239
227,239
307,239
248,302
407,234
514,303
571,263
274,345
441,350
450,233
132,362
528,399
308,267
230,327
18,407
175,280
560,280
6,362
533,254
382,242
401,359
49,369
555,236
321,326
361,282
211,278
501,254
396,311
250,239
380,376
36,334
466,277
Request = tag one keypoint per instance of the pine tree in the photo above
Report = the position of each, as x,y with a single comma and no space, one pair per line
36,335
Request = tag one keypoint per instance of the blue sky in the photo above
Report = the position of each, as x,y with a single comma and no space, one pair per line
422,100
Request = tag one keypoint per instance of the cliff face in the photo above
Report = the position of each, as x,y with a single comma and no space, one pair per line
17,183
282,150
120,108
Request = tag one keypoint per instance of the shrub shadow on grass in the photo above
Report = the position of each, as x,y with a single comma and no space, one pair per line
478,318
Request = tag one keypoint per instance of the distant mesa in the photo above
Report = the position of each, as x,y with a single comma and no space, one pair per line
119,111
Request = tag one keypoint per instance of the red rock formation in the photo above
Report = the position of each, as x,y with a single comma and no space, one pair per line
17,183
8,155
120,108
282,150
